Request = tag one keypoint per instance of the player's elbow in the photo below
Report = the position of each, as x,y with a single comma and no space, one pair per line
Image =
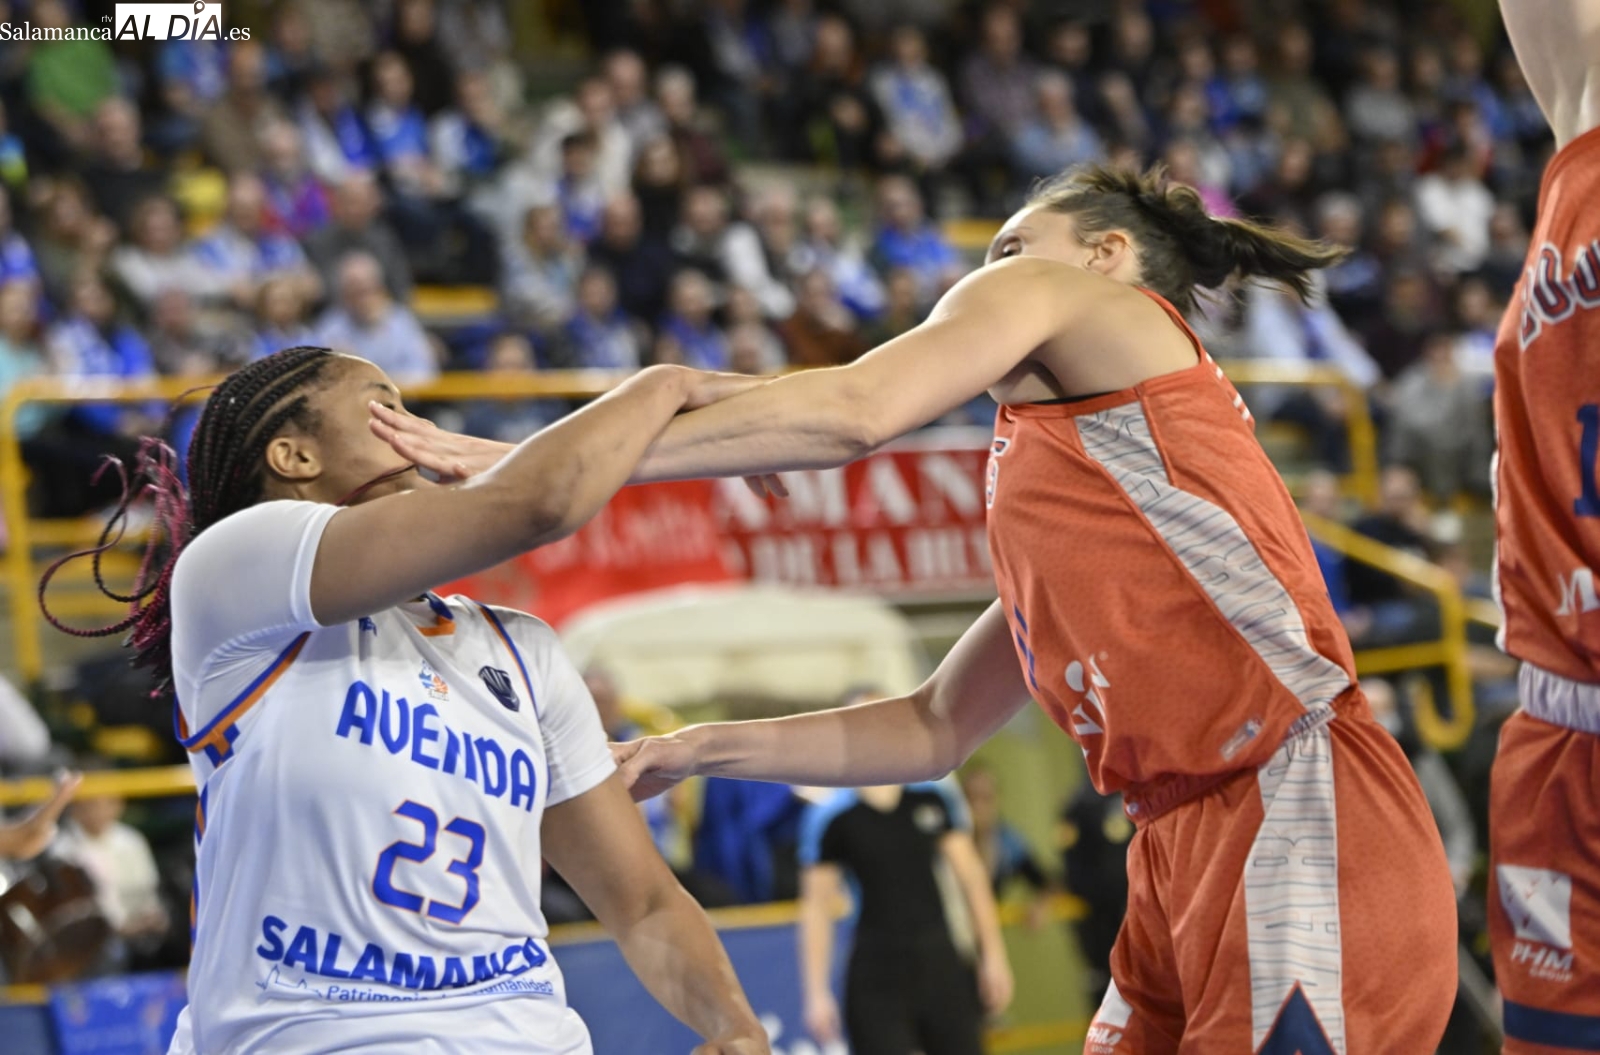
852,427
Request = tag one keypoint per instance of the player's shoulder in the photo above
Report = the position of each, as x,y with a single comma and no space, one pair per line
247,529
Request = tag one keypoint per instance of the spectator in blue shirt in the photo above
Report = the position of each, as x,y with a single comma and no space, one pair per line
510,420
399,131
193,75
578,188
688,334
1058,137
297,202
541,272
88,343
599,336
368,323
16,257
336,138
906,239
241,252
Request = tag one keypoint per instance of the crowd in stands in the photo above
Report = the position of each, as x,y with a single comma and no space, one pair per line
741,185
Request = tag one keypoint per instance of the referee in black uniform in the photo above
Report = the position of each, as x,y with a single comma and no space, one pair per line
908,989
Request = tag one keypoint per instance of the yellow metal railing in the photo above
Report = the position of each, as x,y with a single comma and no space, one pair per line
1449,652
26,535
1361,434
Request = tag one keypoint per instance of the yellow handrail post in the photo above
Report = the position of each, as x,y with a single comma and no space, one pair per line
1363,440
19,545
1442,733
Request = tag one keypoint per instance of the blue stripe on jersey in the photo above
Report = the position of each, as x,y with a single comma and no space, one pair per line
1556,1029
246,697
440,609
522,667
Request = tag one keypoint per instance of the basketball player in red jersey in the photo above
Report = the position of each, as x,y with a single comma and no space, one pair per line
1544,897
1158,598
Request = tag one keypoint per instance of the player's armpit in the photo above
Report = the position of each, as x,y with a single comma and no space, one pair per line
1557,43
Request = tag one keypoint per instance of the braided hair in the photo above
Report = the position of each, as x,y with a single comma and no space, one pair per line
243,414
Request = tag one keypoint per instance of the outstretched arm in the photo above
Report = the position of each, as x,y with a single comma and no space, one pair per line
1558,45
979,332
900,740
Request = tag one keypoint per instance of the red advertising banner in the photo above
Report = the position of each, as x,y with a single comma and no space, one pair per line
902,522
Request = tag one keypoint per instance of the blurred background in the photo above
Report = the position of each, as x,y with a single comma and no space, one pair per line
510,205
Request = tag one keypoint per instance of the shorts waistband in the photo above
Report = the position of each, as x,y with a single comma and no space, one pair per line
1179,788
1560,701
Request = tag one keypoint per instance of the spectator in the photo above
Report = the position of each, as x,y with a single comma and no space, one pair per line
641,266
1395,339
415,41
1307,110
336,137
916,104
629,80
750,349
727,249
828,247
541,272
341,30
1477,313
297,203
186,344
1398,240
906,239
1400,521
242,252
118,859
591,110
280,320
740,57
742,313
837,121
67,79
13,155
1355,284
1004,852
158,260
472,142
17,262
88,342
1456,207
24,738
821,332
231,130
291,56
367,322
688,334
997,80
902,308
578,190
357,228
701,154
1241,91
1389,174
659,183
193,74
1058,137
475,35
117,173
600,336
400,132
27,838
72,239
22,357
1189,122
1508,250
774,213
1439,422
510,421
1376,109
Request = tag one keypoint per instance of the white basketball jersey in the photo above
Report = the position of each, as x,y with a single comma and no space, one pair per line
370,800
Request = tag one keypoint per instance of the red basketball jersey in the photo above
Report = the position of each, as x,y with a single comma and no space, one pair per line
1167,608
1547,415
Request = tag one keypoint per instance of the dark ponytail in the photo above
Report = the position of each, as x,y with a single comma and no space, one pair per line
242,415
1180,245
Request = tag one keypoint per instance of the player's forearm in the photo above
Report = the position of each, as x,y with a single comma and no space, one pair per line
811,420
979,895
574,467
675,952
894,741
816,948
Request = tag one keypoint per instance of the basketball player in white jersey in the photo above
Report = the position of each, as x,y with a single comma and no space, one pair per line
380,768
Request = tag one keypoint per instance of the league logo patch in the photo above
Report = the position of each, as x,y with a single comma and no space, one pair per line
498,682
432,683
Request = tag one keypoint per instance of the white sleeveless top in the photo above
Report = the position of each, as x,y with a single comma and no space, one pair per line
368,863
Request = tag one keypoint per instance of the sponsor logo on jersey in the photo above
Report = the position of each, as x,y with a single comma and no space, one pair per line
498,682
368,626
379,720
1577,593
1091,684
1551,293
1538,902
432,683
